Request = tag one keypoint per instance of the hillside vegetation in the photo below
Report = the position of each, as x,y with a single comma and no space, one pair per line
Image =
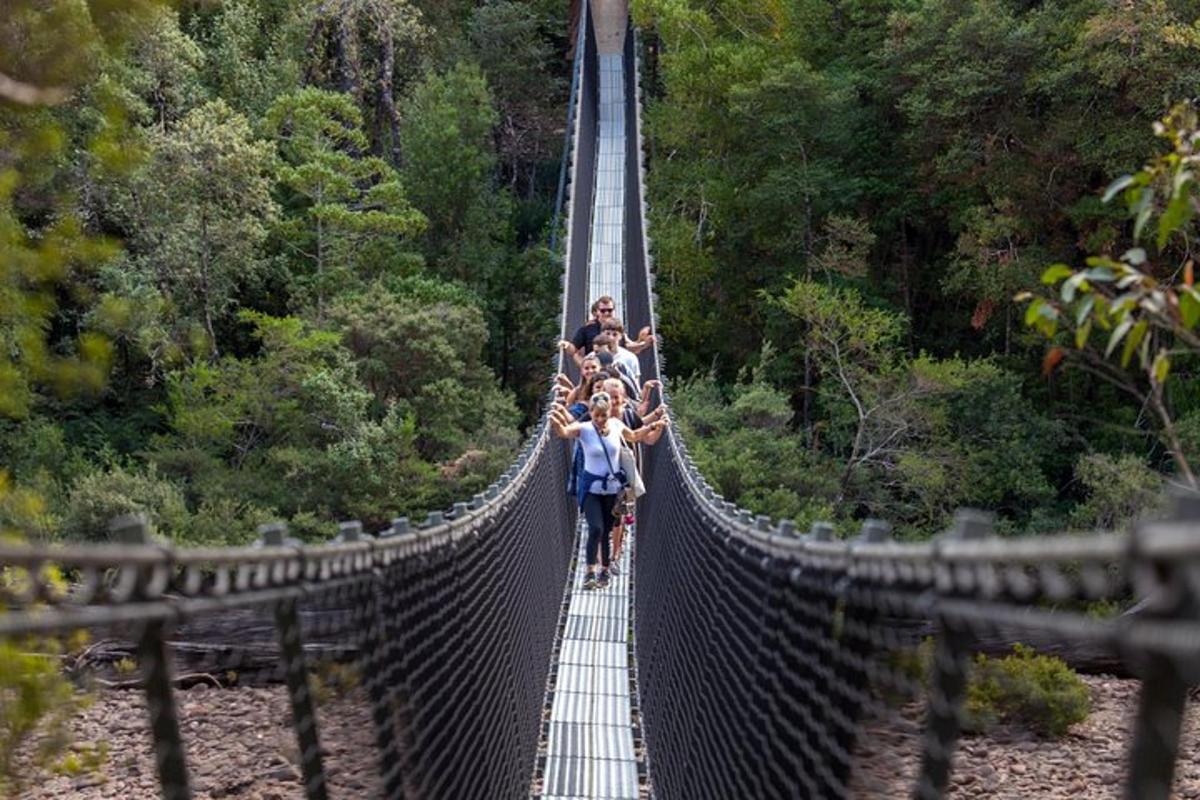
271,259
849,201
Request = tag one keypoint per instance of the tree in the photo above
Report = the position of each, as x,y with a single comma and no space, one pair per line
163,69
1149,310
516,56
253,49
199,212
350,200
856,347
370,49
422,351
448,163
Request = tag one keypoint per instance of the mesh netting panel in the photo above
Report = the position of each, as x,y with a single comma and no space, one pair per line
773,664
412,665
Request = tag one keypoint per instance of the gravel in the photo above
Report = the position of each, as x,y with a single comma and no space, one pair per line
240,744
1008,763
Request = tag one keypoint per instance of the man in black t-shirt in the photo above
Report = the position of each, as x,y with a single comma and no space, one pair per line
581,343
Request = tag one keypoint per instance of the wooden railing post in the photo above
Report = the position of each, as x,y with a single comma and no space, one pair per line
156,674
948,682
291,651
1168,594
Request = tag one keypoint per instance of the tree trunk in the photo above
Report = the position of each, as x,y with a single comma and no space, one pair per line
205,285
387,101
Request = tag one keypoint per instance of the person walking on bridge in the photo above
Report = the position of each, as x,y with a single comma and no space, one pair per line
633,420
604,308
601,480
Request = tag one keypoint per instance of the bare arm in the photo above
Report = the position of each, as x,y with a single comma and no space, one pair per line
562,425
643,408
656,429
574,352
644,433
645,339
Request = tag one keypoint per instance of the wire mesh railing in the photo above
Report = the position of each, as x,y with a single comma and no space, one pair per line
441,633
788,645
779,663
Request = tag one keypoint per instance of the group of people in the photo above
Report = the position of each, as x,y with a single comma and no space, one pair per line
609,414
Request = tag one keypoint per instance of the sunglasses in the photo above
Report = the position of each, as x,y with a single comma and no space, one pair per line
604,310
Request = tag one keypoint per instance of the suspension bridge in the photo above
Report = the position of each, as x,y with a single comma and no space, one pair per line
735,656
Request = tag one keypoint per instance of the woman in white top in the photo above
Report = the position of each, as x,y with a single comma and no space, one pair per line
600,483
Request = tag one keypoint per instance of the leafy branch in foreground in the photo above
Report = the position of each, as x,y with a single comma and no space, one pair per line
1132,318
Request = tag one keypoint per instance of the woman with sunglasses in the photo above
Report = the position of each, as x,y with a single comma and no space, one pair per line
600,481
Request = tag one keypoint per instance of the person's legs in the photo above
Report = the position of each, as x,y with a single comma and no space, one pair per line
607,502
597,535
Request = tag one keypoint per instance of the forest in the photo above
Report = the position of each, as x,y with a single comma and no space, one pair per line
268,259
923,255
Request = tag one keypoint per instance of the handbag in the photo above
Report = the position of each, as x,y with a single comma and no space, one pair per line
629,465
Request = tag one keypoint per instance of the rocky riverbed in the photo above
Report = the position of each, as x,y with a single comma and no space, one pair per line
1009,764
240,744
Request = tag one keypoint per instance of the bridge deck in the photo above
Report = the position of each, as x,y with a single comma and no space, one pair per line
590,750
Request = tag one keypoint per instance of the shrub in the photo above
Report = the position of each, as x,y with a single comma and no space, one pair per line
38,702
1119,490
224,521
97,498
1036,691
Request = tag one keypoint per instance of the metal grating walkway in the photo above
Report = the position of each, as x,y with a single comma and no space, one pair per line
606,256
590,744
589,750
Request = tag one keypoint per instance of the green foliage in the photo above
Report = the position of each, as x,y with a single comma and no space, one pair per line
1118,490
507,38
448,158
920,162
1136,305
252,49
37,700
98,497
1035,691
200,210
352,203
373,49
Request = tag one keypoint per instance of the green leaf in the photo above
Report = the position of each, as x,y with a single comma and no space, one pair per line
1162,366
1103,261
1136,333
1100,274
1142,210
1175,216
1189,307
1135,256
1085,308
1032,313
1082,333
1078,281
1121,183
1117,335
1055,273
